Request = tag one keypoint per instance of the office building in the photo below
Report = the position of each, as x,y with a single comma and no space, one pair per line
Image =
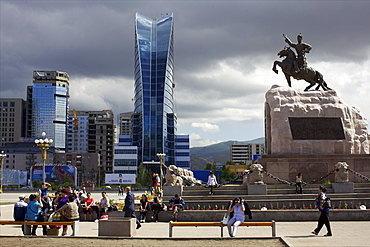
12,120
23,155
125,157
182,151
50,97
154,119
246,152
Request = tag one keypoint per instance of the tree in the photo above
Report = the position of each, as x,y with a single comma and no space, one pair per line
227,175
36,183
211,166
230,163
144,177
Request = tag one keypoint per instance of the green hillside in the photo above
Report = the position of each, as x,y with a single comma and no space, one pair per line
219,153
219,148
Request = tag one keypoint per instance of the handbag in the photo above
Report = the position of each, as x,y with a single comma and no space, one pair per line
225,219
327,203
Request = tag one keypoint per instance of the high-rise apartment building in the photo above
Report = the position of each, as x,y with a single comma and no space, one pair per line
77,131
154,120
50,97
245,152
12,120
125,123
92,132
101,137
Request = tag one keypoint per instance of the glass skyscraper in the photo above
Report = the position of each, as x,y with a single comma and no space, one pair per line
154,119
50,97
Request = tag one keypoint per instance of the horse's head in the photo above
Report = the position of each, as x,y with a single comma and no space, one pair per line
285,52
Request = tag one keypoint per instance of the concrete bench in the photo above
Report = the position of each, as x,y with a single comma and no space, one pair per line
36,223
221,225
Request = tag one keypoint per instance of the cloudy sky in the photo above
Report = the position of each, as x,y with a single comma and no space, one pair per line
224,52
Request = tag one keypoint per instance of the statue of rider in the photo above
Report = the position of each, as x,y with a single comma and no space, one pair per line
301,49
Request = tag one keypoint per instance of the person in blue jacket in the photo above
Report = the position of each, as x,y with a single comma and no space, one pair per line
20,208
324,212
33,212
177,203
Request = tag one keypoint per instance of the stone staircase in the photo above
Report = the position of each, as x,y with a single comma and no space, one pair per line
278,196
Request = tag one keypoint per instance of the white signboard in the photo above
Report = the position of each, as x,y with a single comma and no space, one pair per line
120,178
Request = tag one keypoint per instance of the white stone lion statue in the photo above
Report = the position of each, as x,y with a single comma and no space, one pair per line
341,172
176,176
256,174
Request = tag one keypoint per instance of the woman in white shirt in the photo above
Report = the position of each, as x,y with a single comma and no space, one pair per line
236,207
212,182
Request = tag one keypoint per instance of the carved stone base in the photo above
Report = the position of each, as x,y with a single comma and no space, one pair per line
312,166
343,187
257,189
172,190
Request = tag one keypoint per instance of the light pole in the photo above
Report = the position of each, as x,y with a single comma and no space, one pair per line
161,156
44,144
2,157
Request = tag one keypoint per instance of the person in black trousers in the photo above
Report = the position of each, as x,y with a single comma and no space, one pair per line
324,213
129,207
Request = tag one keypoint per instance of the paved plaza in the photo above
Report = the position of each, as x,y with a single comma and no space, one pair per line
345,233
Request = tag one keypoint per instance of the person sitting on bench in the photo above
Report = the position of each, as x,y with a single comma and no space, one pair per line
177,203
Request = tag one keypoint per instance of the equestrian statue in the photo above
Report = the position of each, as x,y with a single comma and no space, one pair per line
296,65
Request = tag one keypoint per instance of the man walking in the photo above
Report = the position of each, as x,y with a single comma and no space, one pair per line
129,207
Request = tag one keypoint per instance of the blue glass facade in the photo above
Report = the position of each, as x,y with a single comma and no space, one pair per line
154,121
50,94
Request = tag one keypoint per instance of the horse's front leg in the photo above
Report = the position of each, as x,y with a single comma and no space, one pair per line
288,80
312,83
274,67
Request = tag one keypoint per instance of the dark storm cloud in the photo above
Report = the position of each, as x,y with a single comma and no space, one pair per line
223,49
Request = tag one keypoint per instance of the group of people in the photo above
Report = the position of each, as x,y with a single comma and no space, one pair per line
42,206
238,208
38,207
176,204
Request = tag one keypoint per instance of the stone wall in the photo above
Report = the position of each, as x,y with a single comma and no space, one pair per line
267,215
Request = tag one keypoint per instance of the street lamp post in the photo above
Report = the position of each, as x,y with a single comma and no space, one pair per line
161,156
2,157
44,144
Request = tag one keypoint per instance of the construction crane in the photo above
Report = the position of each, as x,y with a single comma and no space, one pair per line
75,129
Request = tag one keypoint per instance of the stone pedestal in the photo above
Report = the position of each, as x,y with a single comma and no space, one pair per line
172,190
122,227
310,132
343,187
257,189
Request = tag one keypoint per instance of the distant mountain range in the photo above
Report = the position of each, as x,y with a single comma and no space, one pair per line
219,153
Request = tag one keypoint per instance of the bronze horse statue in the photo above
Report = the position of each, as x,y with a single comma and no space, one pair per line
306,73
